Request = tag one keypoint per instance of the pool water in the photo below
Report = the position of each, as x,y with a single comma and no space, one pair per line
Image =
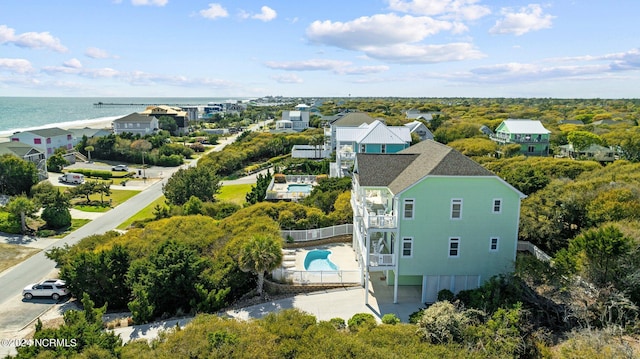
318,260
303,188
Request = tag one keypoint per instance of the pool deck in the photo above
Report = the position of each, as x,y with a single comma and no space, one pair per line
341,255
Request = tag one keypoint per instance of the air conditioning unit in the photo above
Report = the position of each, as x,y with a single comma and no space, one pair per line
386,259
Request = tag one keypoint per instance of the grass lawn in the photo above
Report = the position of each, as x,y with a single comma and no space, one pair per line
234,193
117,197
75,224
145,213
12,254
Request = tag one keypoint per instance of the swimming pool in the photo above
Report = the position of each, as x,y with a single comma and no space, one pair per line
303,188
318,260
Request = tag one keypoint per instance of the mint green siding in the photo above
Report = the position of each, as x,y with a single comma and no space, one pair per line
432,228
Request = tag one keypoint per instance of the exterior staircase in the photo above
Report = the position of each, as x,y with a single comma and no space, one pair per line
80,156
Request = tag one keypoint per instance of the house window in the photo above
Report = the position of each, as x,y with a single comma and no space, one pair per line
407,208
68,137
531,149
454,247
363,148
407,247
37,141
456,208
383,148
493,244
48,140
497,205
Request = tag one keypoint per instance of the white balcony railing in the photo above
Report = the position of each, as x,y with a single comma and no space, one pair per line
380,220
347,155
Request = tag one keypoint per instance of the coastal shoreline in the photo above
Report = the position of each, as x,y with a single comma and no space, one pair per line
97,123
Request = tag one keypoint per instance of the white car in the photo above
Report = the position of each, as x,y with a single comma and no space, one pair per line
120,168
54,288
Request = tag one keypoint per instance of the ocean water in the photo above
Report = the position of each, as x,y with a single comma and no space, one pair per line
24,113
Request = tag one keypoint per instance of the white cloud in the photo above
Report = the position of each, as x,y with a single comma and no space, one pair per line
409,53
69,69
530,18
307,65
376,30
288,79
73,63
266,14
586,67
32,40
96,53
149,2
335,66
362,70
214,11
20,66
394,38
456,9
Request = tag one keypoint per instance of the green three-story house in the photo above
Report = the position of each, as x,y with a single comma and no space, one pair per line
430,216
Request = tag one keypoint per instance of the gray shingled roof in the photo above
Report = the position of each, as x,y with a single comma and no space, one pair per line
135,117
353,119
379,170
50,132
400,170
19,149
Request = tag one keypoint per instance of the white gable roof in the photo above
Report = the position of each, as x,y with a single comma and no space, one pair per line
378,132
525,126
374,133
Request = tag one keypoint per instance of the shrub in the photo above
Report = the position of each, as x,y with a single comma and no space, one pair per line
445,294
390,318
338,323
56,217
279,178
170,161
415,317
361,321
9,224
443,323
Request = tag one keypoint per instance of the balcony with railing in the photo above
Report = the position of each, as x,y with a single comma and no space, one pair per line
375,207
505,138
379,218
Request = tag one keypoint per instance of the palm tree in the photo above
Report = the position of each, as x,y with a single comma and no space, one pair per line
21,207
260,254
89,149
316,141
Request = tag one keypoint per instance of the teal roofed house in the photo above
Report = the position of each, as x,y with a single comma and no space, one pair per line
531,135
430,216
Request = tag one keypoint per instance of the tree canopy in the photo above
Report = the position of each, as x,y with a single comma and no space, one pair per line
16,175
201,182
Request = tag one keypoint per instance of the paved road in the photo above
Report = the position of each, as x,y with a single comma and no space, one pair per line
15,312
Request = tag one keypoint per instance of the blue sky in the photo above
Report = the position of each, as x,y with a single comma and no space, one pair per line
396,48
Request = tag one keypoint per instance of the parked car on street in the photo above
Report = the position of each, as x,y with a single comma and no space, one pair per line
120,168
53,288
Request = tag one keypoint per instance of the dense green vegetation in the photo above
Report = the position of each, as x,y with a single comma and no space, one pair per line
583,213
151,149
